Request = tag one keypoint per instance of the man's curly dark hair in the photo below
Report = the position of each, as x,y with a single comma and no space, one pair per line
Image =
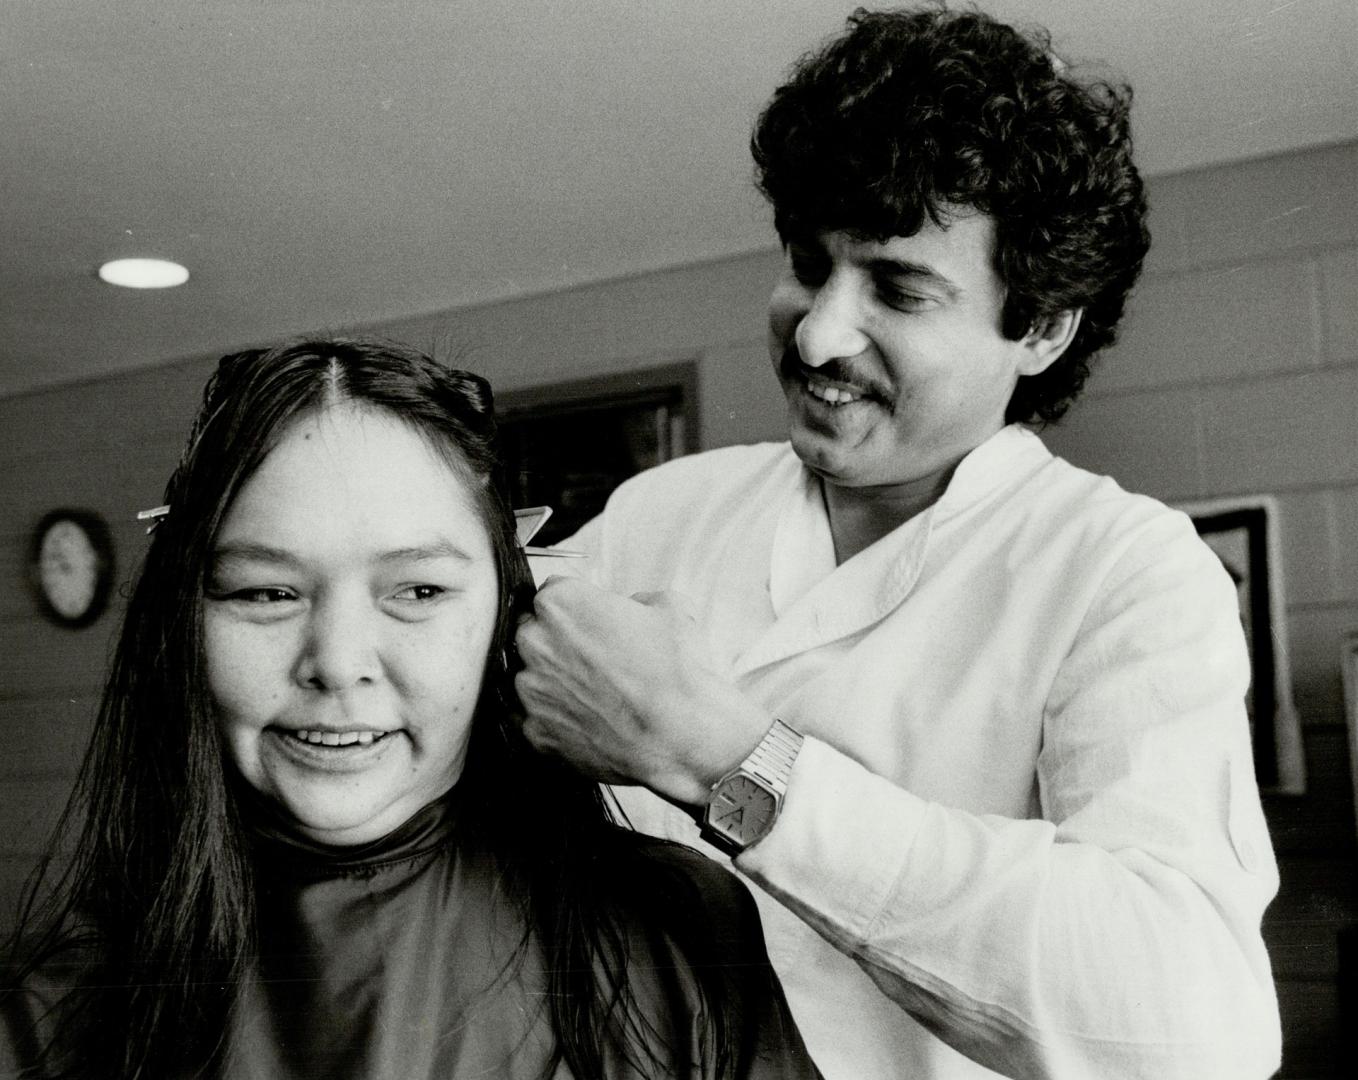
918,112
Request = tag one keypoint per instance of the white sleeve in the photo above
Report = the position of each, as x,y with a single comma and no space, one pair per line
1119,936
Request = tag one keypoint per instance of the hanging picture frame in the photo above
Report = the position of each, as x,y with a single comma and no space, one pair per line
1348,664
1243,532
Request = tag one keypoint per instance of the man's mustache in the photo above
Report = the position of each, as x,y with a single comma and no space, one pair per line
843,371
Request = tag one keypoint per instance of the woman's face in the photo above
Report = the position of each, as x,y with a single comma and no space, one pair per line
349,610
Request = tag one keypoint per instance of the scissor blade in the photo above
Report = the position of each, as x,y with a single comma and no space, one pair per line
555,553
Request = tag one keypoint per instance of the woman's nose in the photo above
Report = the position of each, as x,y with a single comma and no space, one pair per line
340,648
830,328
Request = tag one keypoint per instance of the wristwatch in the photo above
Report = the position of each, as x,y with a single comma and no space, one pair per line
745,802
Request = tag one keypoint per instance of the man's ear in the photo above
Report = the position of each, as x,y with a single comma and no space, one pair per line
1047,340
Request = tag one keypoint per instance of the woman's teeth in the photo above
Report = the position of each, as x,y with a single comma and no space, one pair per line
338,738
832,395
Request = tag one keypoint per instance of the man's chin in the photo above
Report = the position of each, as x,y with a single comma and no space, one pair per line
849,464
824,455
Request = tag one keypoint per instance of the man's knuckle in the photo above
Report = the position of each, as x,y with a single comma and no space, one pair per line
526,685
554,589
534,730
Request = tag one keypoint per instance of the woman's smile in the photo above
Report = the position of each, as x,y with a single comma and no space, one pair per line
331,751
336,738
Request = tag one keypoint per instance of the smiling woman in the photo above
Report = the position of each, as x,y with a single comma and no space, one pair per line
309,836
349,612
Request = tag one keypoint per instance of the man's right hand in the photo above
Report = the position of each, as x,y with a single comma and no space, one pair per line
628,692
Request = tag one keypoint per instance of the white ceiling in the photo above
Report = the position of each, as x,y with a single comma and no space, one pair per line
324,163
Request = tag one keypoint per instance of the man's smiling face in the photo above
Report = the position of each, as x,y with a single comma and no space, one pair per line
890,353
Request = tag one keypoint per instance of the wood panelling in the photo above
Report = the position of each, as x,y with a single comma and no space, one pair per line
55,731
32,807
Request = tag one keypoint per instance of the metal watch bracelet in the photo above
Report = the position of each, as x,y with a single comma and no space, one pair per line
771,761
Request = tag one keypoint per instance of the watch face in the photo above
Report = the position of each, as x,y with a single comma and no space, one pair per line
742,809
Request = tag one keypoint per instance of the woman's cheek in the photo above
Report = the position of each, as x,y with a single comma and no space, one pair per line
243,665
451,664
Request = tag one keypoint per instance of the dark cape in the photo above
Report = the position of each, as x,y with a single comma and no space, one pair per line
406,959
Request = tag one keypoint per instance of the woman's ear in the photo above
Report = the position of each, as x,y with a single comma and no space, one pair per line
1048,338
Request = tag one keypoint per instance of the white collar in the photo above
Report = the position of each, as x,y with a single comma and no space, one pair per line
803,553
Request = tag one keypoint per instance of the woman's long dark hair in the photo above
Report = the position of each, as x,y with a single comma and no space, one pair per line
158,896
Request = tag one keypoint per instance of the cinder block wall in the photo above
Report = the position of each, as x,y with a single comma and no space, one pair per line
1238,374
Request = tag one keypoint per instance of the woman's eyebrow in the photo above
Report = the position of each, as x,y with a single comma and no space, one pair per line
249,551
244,551
441,548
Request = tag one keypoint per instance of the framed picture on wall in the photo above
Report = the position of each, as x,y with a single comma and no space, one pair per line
568,445
1244,534
1348,663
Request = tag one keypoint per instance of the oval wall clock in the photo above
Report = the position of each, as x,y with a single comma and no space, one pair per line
71,566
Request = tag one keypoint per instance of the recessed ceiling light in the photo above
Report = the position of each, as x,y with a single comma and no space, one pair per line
144,273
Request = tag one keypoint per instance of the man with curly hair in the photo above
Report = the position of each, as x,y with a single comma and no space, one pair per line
970,718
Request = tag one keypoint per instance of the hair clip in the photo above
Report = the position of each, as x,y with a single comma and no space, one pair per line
154,516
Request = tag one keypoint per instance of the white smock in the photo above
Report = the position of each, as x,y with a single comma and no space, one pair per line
1024,828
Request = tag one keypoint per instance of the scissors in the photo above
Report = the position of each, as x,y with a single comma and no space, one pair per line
527,522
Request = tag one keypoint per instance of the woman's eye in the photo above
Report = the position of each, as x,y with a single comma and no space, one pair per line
264,595
419,593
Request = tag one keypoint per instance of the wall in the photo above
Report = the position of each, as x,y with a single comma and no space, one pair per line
1238,373
712,313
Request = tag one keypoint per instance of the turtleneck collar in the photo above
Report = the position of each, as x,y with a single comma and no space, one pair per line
280,847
